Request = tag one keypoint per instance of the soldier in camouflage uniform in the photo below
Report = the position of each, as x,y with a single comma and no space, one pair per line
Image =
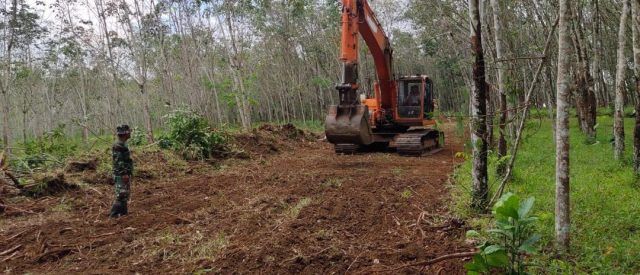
122,171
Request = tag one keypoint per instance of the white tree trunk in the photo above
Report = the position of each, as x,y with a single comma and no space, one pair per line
562,207
479,112
497,28
635,11
6,80
618,122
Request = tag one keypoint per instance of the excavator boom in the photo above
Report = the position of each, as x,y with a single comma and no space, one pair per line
348,122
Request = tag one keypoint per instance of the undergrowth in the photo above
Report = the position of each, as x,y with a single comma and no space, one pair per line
604,199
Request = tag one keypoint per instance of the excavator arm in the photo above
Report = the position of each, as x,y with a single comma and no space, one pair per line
359,19
348,123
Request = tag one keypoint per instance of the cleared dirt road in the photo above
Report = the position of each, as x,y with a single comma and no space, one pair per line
303,210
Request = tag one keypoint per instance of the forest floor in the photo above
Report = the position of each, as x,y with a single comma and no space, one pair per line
290,207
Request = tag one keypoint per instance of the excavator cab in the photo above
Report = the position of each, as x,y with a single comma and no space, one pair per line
415,100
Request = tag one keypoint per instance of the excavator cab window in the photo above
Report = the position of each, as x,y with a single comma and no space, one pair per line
409,99
429,107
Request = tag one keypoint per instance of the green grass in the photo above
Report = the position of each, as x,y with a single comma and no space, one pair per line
605,199
294,210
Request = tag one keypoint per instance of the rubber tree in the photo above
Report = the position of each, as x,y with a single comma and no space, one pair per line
618,122
7,74
479,111
562,207
585,95
497,32
635,11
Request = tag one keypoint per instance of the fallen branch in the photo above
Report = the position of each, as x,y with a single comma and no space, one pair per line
16,208
10,257
11,250
302,256
13,178
184,220
14,236
432,261
66,230
103,235
354,261
54,254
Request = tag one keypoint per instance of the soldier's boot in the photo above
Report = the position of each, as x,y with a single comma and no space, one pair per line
116,209
123,198
125,210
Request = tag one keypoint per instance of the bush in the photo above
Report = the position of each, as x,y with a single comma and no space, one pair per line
510,241
49,149
138,137
189,133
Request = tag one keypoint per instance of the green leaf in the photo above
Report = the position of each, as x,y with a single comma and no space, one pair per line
527,246
525,207
497,231
533,239
492,249
507,207
472,234
527,249
477,264
498,259
529,220
500,232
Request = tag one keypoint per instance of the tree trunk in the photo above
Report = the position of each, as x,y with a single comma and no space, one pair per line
25,110
635,11
490,118
6,85
596,71
497,25
479,112
236,70
562,219
147,112
84,106
618,123
585,95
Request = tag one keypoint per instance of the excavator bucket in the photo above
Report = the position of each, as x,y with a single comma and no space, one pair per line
348,125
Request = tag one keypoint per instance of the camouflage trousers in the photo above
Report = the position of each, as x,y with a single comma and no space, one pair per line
122,188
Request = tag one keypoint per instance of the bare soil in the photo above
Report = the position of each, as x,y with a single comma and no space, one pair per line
291,207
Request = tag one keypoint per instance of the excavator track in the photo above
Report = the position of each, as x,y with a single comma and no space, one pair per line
418,143
346,149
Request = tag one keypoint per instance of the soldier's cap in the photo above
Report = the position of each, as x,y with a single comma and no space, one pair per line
123,130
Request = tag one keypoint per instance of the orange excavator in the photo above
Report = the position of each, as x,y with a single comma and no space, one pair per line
399,114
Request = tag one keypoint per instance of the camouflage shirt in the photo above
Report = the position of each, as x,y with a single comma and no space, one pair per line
122,162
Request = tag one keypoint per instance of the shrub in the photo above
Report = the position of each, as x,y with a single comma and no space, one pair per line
51,148
138,137
510,241
189,133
